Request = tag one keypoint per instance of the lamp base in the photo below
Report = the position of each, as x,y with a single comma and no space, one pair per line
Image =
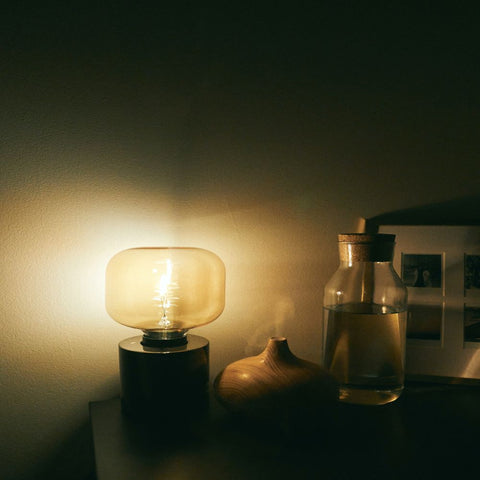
164,385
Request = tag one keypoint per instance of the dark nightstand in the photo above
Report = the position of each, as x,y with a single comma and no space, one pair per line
432,431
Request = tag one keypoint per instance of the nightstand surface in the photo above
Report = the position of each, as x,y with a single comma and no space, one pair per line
432,431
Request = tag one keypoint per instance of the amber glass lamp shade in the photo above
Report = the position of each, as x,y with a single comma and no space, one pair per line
165,291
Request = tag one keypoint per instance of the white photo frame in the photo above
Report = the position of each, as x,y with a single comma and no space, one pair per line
443,323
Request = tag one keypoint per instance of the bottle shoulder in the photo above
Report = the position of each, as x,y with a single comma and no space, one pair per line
368,283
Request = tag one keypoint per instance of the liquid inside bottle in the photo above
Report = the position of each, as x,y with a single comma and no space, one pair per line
364,348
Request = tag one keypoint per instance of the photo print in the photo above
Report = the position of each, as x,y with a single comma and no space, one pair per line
424,322
422,271
472,272
471,324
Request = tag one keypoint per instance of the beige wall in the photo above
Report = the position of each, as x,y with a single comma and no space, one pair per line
259,162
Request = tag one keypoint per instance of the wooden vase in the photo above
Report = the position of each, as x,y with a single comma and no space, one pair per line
276,384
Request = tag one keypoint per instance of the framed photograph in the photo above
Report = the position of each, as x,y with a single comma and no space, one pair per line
440,265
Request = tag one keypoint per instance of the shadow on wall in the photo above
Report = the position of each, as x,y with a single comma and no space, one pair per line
459,211
75,454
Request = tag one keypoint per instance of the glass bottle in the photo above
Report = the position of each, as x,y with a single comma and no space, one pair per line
365,312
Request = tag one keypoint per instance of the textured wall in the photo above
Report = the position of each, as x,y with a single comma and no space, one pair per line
256,133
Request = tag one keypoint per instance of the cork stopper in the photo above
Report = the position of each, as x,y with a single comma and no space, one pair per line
365,247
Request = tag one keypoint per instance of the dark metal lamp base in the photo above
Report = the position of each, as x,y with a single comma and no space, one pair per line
164,384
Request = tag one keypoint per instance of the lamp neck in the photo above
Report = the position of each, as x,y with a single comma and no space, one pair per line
164,338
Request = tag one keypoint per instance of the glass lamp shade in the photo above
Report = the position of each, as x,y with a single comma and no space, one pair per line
165,291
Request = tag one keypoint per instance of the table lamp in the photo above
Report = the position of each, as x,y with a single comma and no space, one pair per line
164,291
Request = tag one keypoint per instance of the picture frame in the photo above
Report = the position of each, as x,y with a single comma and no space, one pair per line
440,265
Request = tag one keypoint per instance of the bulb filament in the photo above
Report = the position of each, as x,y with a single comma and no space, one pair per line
163,296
